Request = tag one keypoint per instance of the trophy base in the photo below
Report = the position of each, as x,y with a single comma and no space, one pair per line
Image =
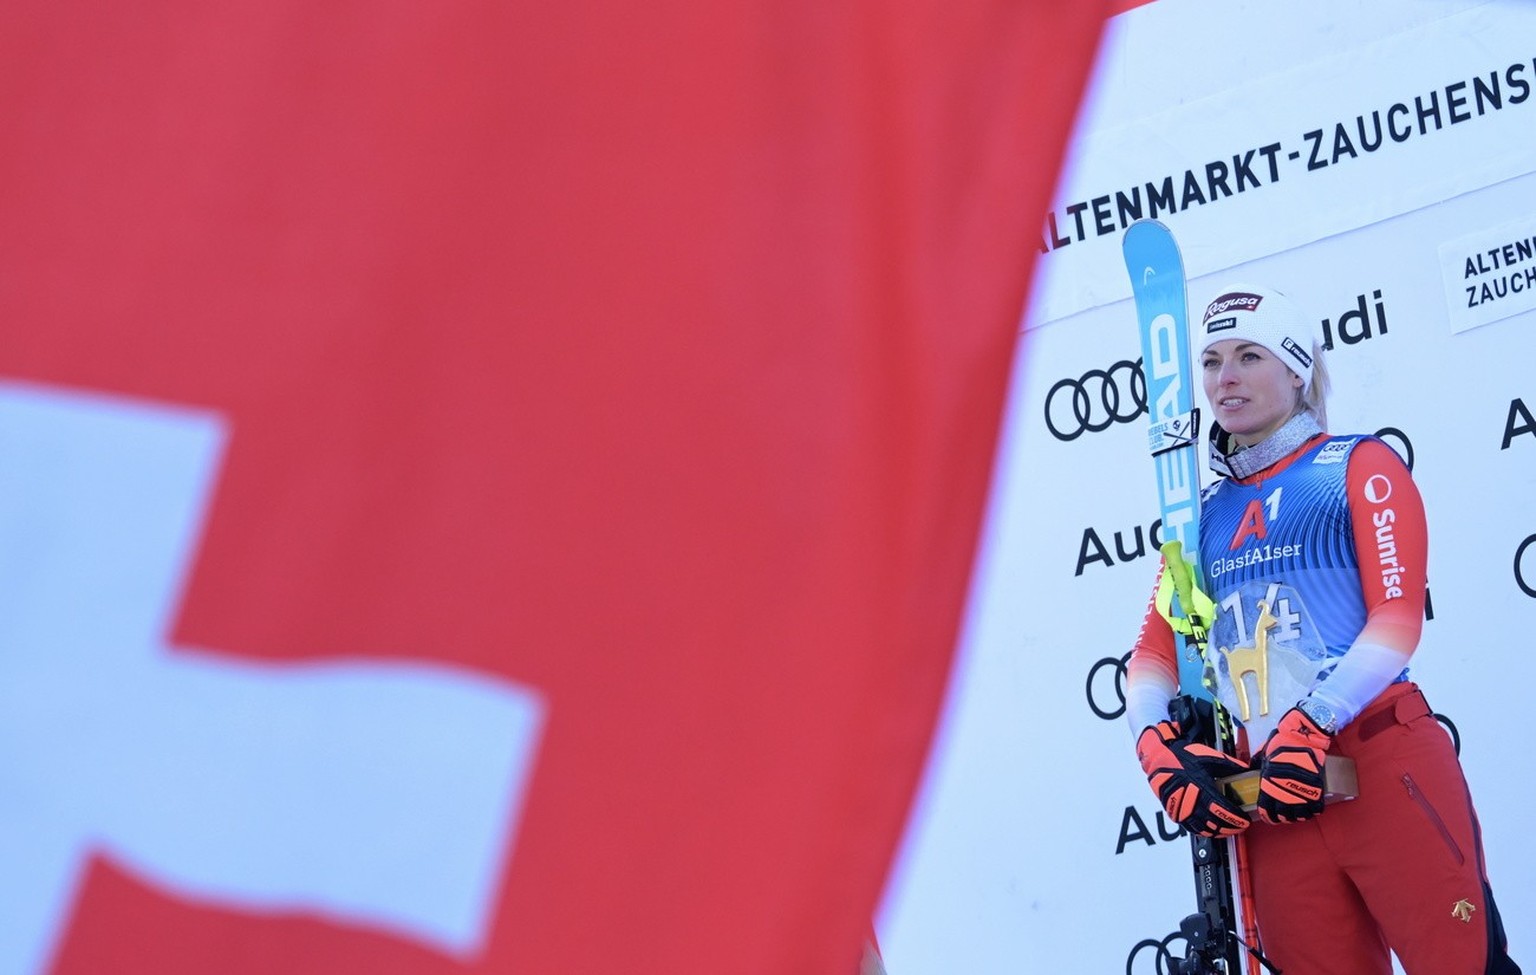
1339,783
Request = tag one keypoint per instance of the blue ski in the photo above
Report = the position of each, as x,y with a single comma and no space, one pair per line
1162,310
1156,268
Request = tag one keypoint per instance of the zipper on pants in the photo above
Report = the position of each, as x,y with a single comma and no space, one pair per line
1434,817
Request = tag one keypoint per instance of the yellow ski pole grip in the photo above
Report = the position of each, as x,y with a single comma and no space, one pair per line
1183,582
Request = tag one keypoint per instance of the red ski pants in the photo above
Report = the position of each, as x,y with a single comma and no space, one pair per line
1400,867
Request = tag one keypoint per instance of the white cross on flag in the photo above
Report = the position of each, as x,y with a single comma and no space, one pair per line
318,786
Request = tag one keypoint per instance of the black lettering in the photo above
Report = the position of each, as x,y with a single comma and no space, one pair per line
1103,220
1355,325
1487,94
1192,195
1056,239
1471,296
1454,100
1164,832
1315,137
1392,114
1271,154
1129,207
1432,112
1155,535
1242,168
1127,834
1160,198
1216,179
1075,211
1366,142
1516,83
1356,314
1141,546
1341,144
1512,429
1091,542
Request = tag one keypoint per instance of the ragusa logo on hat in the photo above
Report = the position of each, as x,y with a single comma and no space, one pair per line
1232,301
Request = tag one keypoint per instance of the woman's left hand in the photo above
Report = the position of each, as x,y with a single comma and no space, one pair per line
1291,769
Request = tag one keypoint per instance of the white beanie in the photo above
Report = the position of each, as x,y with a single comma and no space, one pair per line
1264,316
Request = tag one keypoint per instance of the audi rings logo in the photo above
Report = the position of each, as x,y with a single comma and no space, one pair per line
1096,400
1450,729
1398,441
1159,958
1106,687
1525,566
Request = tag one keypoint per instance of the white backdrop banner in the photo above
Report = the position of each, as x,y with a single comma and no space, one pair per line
1036,844
1248,163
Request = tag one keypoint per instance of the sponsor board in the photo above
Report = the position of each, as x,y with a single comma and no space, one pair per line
1489,275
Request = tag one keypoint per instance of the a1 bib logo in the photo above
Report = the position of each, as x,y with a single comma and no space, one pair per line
1253,526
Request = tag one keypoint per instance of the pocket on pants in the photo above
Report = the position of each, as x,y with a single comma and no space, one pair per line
1421,800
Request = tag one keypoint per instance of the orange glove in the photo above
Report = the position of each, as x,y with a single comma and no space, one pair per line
1183,774
1291,769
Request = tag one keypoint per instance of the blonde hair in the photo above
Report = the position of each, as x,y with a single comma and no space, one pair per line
1315,399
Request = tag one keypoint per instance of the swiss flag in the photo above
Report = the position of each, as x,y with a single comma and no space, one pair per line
490,487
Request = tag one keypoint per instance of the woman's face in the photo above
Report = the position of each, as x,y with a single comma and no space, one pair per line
1251,392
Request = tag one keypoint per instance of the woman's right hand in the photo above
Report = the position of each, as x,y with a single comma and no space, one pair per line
1183,775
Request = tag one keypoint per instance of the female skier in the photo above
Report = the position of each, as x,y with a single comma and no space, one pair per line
1313,548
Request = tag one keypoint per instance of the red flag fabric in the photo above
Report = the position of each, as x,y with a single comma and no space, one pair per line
625,376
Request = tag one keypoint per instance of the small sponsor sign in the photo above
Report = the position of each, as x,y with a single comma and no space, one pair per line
1490,275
